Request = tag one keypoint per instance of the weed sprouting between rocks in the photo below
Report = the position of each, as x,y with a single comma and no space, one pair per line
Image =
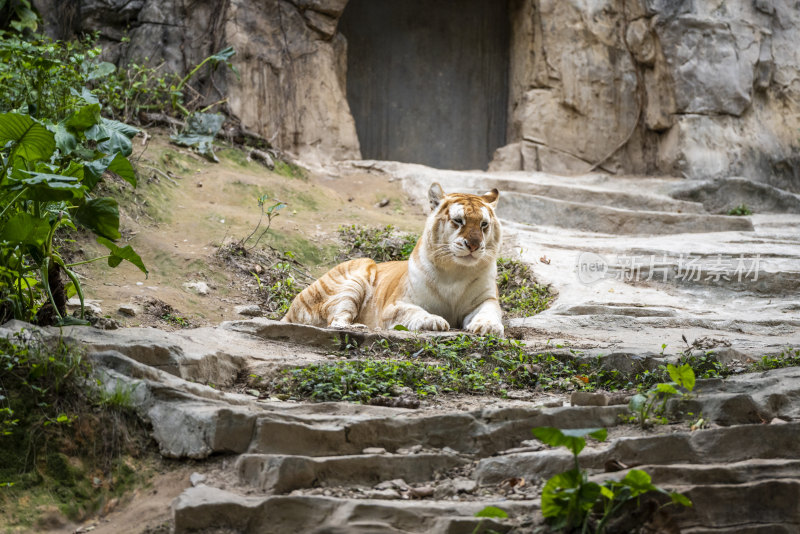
520,294
380,244
477,365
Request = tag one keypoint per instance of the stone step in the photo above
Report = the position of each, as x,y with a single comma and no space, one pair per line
718,445
480,432
204,508
539,210
653,194
273,473
719,474
762,506
745,496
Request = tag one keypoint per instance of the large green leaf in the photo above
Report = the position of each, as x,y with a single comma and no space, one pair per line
201,128
637,402
113,136
46,187
84,118
116,163
25,229
93,170
34,142
683,375
100,215
666,388
66,142
492,512
119,254
101,70
123,168
639,482
573,439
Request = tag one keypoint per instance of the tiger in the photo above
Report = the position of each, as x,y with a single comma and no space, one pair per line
448,280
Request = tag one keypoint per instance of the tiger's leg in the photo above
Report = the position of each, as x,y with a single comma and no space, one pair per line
336,298
412,317
487,318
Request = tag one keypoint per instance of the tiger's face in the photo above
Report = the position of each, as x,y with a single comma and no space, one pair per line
465,229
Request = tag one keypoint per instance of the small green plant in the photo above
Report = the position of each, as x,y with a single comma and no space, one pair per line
126,92
650,406
270,208
571,501
520,295
61,430
120,397
380,244
489,512
175,320
740,210
18,15
788,358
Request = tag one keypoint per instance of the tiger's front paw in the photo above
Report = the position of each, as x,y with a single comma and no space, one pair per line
340,323
428,322
485,326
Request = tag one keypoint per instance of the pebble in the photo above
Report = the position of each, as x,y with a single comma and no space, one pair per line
250,310
201,288
374,450
128,309
196,478
88,304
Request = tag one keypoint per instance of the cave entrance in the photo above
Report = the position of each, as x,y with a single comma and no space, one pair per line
427,82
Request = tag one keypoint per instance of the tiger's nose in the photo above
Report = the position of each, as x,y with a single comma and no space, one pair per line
473,245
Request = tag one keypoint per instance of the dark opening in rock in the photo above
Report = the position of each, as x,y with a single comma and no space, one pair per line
427,82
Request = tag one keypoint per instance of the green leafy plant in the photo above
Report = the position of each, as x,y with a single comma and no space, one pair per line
46,184
61,430
520,295
45,78
571,501
18,15
787,358
52,159
270,208
138,87
380,244
740,210
646,407
223,56
489,512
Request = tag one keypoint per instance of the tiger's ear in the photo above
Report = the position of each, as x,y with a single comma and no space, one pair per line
491,197
435,195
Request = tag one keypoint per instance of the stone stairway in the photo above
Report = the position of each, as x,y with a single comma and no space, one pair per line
339,467
336,467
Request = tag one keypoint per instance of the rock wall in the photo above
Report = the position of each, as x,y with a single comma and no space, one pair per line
291,61
699,88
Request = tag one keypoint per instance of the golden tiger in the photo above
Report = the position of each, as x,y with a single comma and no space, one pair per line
448,280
